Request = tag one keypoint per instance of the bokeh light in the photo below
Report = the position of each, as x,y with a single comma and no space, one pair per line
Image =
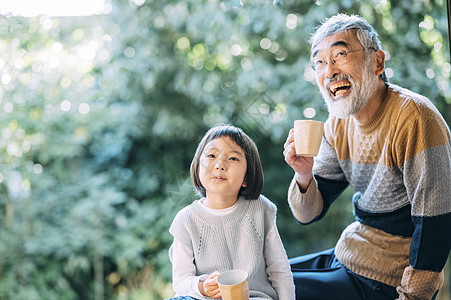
37,169
65,105
83,108
389,72
291,22
309,112
265,43
235,49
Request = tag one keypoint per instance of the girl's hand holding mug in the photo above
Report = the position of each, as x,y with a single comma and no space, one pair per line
210,286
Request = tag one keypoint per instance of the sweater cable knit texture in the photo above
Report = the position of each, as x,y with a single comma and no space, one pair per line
233,241
399,164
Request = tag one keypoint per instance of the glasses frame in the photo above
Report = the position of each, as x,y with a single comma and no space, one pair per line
345,60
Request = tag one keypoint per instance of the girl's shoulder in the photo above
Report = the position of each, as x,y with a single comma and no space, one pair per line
265,202
188,210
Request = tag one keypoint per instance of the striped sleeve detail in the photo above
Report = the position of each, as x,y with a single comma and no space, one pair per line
431,242
420,129
424,156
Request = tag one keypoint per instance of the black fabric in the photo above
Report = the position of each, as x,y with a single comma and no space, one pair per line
320,276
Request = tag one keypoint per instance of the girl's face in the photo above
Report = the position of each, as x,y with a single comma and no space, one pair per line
222,170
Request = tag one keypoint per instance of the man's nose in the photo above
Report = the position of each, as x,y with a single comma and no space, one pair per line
331,70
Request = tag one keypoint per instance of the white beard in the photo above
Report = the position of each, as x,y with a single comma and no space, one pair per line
357,99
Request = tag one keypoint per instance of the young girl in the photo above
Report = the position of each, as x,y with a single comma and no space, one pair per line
232,226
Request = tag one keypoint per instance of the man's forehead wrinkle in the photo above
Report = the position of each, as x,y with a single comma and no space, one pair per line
346,38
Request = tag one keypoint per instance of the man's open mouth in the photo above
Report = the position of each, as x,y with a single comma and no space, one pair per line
338,88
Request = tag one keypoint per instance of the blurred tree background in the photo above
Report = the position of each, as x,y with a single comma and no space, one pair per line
100,117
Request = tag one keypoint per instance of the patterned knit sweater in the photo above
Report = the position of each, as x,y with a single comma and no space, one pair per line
399,164
233,241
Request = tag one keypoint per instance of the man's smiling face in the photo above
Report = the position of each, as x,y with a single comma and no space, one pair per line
348,85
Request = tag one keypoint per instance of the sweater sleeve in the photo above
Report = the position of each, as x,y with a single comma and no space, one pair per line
178,228
184,279
328,183
423,153
278,267
305,206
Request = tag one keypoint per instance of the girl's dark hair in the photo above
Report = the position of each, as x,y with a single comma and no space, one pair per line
254,173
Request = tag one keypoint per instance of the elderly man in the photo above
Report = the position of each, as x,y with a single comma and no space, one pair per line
393,148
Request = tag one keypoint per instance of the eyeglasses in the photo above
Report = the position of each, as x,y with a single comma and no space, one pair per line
337,57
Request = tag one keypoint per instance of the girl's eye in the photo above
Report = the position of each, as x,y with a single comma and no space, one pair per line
211,156
234,158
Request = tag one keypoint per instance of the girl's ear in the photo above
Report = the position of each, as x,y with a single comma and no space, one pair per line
244,183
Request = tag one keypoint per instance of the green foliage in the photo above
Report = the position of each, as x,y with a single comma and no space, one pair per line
100,117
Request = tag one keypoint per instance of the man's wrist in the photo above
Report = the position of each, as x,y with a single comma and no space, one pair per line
303,181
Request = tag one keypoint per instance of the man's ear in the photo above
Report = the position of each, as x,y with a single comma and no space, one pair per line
379,62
